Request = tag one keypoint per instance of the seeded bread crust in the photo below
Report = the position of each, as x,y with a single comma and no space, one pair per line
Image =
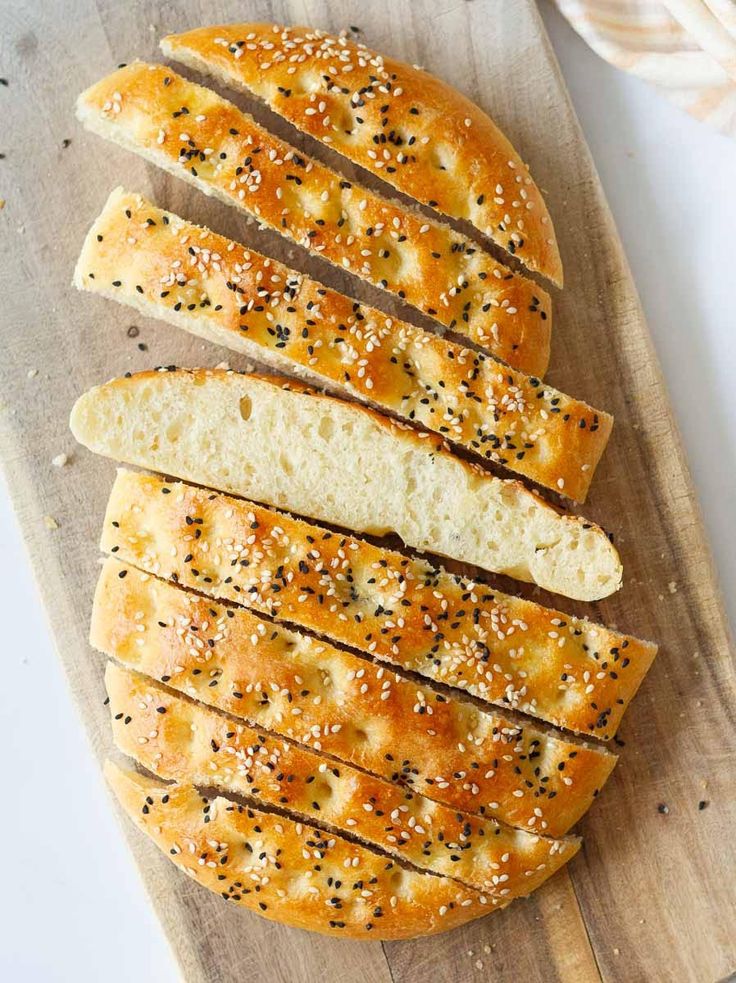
396,120
568,671
287,871
304,689
196,135
182,741
217,289
339,462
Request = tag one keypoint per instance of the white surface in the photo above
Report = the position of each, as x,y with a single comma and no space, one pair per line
667,179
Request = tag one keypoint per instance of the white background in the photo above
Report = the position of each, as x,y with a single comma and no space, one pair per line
670,182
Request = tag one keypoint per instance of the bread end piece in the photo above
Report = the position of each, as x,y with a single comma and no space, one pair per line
297,867
481,178
184,741
138,107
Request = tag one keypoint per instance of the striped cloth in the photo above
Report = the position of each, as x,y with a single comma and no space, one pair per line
686,47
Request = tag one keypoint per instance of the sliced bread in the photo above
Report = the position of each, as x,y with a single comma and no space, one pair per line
446,748
288,871
345,464
503,649
217,289
196,135
396,120
183,741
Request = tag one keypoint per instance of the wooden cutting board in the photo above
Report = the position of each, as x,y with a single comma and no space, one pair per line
653,894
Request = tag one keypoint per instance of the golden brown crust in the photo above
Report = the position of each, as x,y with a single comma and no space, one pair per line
290,872
205,283
194,133
182,741
566,670
337,703
399,122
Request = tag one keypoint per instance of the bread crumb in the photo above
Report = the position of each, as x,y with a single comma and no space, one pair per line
617,951
672,587
60,460
479,964
50,522
32,373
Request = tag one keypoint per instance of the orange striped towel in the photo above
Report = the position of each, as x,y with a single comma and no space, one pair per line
687,47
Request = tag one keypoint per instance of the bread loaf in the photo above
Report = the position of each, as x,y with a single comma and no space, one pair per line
182,741
304,689
396,120
503,649
344,464
198,136
219,290
287,871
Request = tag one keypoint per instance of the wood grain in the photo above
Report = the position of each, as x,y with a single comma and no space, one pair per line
653,894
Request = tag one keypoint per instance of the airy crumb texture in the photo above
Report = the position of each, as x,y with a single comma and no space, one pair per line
335,702
290,872
396,120
181,741
196,135
344,464
217,289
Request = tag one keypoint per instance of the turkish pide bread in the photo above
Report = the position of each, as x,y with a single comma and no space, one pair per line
183,741
219,290
345,464
336,735
396,120
565,670
443,747
288,871
196,135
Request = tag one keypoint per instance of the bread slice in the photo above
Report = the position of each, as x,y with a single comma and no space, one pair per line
219,290
196,135
290,872
503,649
446,748
396,120
182,741
345,464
